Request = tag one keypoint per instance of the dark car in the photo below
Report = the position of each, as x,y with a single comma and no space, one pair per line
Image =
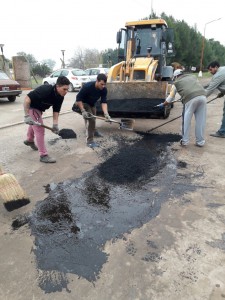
9,88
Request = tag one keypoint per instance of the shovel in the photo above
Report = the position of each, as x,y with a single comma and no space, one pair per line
63,133
126,124
45,126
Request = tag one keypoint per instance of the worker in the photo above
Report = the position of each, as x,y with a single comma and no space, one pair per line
193,98
35,103
175,65
86,100
217,82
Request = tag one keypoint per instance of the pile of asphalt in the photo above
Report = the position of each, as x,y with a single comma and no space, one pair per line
138,161
67,134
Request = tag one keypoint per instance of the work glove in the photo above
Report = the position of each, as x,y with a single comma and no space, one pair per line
161,106
107,116
28,120
221,94
84,114
55,128
75,108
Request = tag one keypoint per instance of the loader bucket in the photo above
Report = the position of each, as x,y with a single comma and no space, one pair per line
136,99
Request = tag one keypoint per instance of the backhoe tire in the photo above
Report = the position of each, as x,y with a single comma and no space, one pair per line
166,112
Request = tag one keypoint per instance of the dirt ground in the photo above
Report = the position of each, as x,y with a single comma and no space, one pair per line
178,254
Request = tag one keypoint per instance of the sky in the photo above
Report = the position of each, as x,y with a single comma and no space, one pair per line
45,27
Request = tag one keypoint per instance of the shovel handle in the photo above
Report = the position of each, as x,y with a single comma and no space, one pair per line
47,127
104,119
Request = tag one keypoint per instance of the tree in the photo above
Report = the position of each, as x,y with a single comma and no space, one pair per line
41,70
109,57
92,58
78,60
188,44
49,62
29,57
86,58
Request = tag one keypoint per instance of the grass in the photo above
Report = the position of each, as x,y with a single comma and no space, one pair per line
35,84
204,75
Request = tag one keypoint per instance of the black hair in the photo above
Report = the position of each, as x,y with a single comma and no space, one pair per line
213,64
102,76
62,80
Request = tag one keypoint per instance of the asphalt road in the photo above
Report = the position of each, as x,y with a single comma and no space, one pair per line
98,236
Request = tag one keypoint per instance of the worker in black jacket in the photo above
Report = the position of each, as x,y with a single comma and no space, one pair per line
86,100
35,103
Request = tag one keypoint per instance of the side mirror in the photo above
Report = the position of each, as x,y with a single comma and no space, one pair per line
149,50
119,37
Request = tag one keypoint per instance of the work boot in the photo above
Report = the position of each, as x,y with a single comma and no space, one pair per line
92,145
98,134
218,134
182,143
47,159
200,144
31,144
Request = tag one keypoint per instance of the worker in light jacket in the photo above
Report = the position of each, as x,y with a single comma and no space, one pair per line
193,98
217,82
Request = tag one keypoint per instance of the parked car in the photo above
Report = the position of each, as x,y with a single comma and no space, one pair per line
76,76
9,88
93,72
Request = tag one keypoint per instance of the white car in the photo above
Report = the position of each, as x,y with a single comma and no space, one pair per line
93,72
77,78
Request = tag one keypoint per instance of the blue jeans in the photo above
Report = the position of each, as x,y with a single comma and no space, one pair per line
222,127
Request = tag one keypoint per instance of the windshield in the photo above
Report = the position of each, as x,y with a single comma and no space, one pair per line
3,75
78,72
146,38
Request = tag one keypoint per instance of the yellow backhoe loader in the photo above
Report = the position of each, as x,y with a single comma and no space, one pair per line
141,79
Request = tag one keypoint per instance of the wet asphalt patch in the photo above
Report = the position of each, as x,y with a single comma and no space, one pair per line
72,225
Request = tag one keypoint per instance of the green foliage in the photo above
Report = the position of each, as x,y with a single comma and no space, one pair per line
90,58
188,48
109,57
49,62
29,57
189,44
41,70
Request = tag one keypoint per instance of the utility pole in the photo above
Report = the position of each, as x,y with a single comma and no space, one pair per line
63,61
203,46
3,58
151,8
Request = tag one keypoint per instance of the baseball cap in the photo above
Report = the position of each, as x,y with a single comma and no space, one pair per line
178,72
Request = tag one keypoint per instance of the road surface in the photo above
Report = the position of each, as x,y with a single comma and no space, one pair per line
171,245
